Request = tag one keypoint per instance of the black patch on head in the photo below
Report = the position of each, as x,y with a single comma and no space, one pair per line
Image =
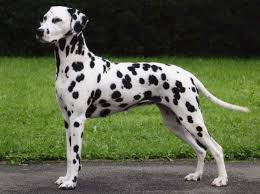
77,66
199,128
76,124
189,118
141,80
66,124
123,105
113,86
163,76
91,109
80,77
190,107
62,43
201,145
166,86
119,74
98,78
137,97
126,81
105,112
72,85
76,148
167,99
116,94
75,95
153,80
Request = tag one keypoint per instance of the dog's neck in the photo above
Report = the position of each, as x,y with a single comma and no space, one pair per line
69,48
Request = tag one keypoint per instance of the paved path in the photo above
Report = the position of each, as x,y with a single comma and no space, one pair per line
149,176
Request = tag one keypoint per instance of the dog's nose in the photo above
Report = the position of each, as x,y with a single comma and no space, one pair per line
39,32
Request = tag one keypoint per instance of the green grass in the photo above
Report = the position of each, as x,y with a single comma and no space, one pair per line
31,125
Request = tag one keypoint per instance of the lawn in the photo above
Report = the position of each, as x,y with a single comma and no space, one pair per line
31,126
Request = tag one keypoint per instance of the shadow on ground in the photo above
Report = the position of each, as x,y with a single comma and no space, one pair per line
148,176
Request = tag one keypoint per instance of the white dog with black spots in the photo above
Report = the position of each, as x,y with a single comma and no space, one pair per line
89,86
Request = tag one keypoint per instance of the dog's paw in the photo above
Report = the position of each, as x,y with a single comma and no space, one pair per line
220,181
68,185
193,177
61,180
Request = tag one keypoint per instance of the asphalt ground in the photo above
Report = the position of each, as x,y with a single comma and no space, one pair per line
130,177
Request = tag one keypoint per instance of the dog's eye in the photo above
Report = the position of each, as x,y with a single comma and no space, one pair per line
55,20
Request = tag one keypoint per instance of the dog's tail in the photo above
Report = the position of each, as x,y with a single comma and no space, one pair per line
217,101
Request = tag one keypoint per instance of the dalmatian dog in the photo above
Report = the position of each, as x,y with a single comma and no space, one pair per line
88,86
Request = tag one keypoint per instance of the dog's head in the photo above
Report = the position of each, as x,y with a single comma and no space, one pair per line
59,22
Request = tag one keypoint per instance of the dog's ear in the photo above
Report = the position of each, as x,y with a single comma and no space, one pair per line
78,20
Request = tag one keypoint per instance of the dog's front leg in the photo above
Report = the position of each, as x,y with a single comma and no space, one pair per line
68,142
76,129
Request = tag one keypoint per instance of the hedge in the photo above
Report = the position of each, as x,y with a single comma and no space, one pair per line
143,27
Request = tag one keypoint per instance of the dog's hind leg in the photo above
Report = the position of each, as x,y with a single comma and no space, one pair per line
172,122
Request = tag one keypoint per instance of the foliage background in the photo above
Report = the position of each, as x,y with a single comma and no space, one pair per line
143,27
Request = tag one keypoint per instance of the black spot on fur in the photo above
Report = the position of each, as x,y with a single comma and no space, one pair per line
126,81
105,112
92,64
146,66
98,78
199,134
75,179
80,77
91,109
72,85
166,85
77,27
97,95
201,145
163,76
123,105
76,124
199,128
156,99
190,107
104,103
77,66
132,69
153,80
113,86
76,148
192,81
119,99
66,71
197,99
57,61
119,74
181,119
70,141
167,99
193,89
81,134
190,120
179,86
75,95
116,95
141,80
74,161
137,97
66,124
147,95
62,43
